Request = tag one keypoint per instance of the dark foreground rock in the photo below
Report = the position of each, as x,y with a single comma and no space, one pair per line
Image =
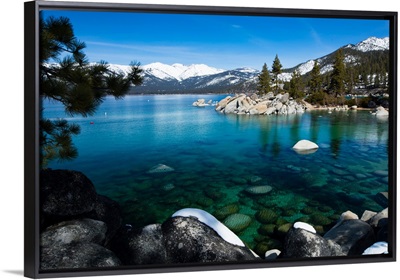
85,230
177,240
300,243
66,193
77,255
354,236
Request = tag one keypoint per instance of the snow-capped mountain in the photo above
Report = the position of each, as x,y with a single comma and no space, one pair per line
179,71
351,55
179,78
372,44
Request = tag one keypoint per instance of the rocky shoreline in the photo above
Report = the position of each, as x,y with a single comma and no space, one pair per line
270,104
81,229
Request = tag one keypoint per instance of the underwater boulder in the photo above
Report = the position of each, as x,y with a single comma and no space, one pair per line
227,210
237,222
258,190
266,216
160,168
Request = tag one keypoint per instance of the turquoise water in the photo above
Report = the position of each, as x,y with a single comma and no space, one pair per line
216,157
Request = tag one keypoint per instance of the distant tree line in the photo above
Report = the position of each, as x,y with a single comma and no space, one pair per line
351,71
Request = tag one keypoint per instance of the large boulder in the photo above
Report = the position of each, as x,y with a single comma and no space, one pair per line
354,236
189,240
85,230
76,244
109,212
146,246
77,255
190,235
302,243
66,193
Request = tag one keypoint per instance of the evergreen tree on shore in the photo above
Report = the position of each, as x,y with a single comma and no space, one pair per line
315,83
276,70
263,86
67,77
296,87
337,86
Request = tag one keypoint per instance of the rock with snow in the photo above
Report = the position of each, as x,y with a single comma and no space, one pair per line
272,254
377,248
191,241
300,243
212,222
305,226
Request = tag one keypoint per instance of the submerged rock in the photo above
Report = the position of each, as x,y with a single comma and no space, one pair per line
237,222
259,189
160,168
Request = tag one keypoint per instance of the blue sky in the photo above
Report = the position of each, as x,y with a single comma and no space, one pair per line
226,42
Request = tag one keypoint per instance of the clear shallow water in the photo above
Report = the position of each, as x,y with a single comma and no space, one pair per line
216,157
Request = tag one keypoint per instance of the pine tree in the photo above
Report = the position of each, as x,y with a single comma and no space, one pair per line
315,83
337,86
263,86
67,76
296,87
276,70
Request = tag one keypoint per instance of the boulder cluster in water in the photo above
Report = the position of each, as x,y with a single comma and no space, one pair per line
80,228
268,104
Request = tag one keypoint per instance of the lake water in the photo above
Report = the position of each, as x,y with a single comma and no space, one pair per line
216,157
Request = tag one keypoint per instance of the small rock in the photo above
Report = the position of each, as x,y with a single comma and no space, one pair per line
367,215
376,220
305,146
348,215
272,254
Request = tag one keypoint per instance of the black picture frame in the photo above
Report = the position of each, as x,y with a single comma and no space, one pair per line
32,149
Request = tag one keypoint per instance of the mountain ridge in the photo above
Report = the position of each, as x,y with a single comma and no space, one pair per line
180,78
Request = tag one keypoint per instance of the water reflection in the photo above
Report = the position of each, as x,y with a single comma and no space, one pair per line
321,127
